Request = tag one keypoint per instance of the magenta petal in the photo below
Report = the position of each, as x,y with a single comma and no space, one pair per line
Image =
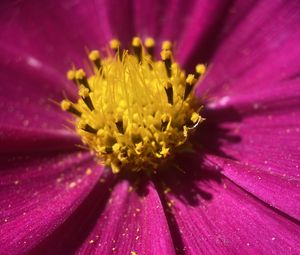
201,33
255,52
131,223
232,222
29,88
265,160
38,194
28,140
119,221
280,190
54,32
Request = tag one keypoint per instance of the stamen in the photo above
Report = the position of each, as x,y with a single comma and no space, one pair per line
84,93
137,48
94,56
115,45
194,121
68,106
166,57
164,122
200,70
71,76
149,44
120,127
86,127
190,82
81,78
169,92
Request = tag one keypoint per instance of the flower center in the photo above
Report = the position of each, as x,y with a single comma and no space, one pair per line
134,111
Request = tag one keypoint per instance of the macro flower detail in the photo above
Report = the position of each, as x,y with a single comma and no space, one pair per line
134,111
233,187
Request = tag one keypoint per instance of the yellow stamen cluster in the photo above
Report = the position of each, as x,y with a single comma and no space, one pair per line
133,111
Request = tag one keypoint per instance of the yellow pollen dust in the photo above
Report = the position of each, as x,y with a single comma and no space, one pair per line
134,111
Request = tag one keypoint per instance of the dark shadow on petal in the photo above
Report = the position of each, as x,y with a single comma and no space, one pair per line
217,32
188,168
190,176
212,133
187,177
210,41
69,236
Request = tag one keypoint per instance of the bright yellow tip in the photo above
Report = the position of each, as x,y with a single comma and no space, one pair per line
94,55
71,75
83,92
165,54
136,42
114,44
134,112
191,79
65,105
195,117
166,45
200,69
80,74
149,42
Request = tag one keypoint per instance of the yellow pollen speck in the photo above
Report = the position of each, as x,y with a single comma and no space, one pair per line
134,111
72,185
167,190
88,171
133,253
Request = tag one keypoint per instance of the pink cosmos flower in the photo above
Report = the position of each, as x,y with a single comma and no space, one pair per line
237,194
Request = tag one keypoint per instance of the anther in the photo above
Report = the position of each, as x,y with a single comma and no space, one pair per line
190,82
166,57
84,93
200,70
165,119
169,92
68,106
71,75
149,44
120,126
87,128
166,45
81,78
137,48
115,45
94,56
106,150
194,121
